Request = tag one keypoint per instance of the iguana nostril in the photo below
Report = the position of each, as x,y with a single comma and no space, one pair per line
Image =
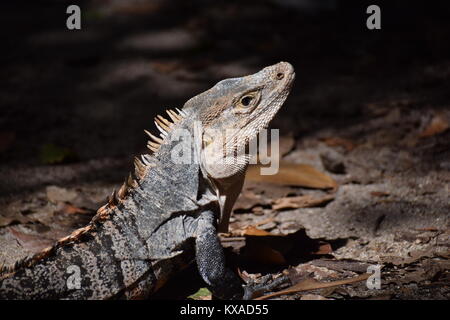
280,75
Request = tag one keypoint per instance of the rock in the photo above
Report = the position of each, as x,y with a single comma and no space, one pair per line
333,162
56,194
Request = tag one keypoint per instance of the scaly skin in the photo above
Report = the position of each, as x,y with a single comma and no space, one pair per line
165,216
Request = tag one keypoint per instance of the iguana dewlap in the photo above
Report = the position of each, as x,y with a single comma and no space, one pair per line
166,215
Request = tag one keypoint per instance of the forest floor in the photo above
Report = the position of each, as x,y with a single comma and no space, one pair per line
365,141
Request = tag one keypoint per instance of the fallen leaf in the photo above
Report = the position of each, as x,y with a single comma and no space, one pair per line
306,201
18,217
248,199
379,193
31,242
292,174
260,194
71,209
324,248
253,231
201,294
312,284
436,126
339,142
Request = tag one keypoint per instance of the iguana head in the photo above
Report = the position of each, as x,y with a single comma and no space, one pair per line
234,111
229,115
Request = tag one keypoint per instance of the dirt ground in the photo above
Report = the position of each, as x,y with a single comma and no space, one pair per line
369,111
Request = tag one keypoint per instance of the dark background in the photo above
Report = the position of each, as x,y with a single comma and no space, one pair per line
93,91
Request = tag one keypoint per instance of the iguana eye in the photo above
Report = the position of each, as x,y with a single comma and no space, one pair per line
248,100
245,101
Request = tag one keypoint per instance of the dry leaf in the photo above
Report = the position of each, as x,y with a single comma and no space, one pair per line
379,194
31,242
201,294
339,142
71,209
253,231
5,221
292,174
17,217
260,194
324,248
248,199
305,201
312,284
437,125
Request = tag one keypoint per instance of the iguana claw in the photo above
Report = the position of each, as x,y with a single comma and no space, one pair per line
253,290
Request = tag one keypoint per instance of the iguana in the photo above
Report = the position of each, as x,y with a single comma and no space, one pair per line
167,214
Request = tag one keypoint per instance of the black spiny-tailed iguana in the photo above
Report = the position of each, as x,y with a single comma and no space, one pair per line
166,215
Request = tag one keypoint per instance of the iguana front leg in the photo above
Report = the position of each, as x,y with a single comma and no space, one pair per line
223,282
210,257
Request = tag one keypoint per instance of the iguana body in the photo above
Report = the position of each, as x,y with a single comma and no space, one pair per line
166,215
